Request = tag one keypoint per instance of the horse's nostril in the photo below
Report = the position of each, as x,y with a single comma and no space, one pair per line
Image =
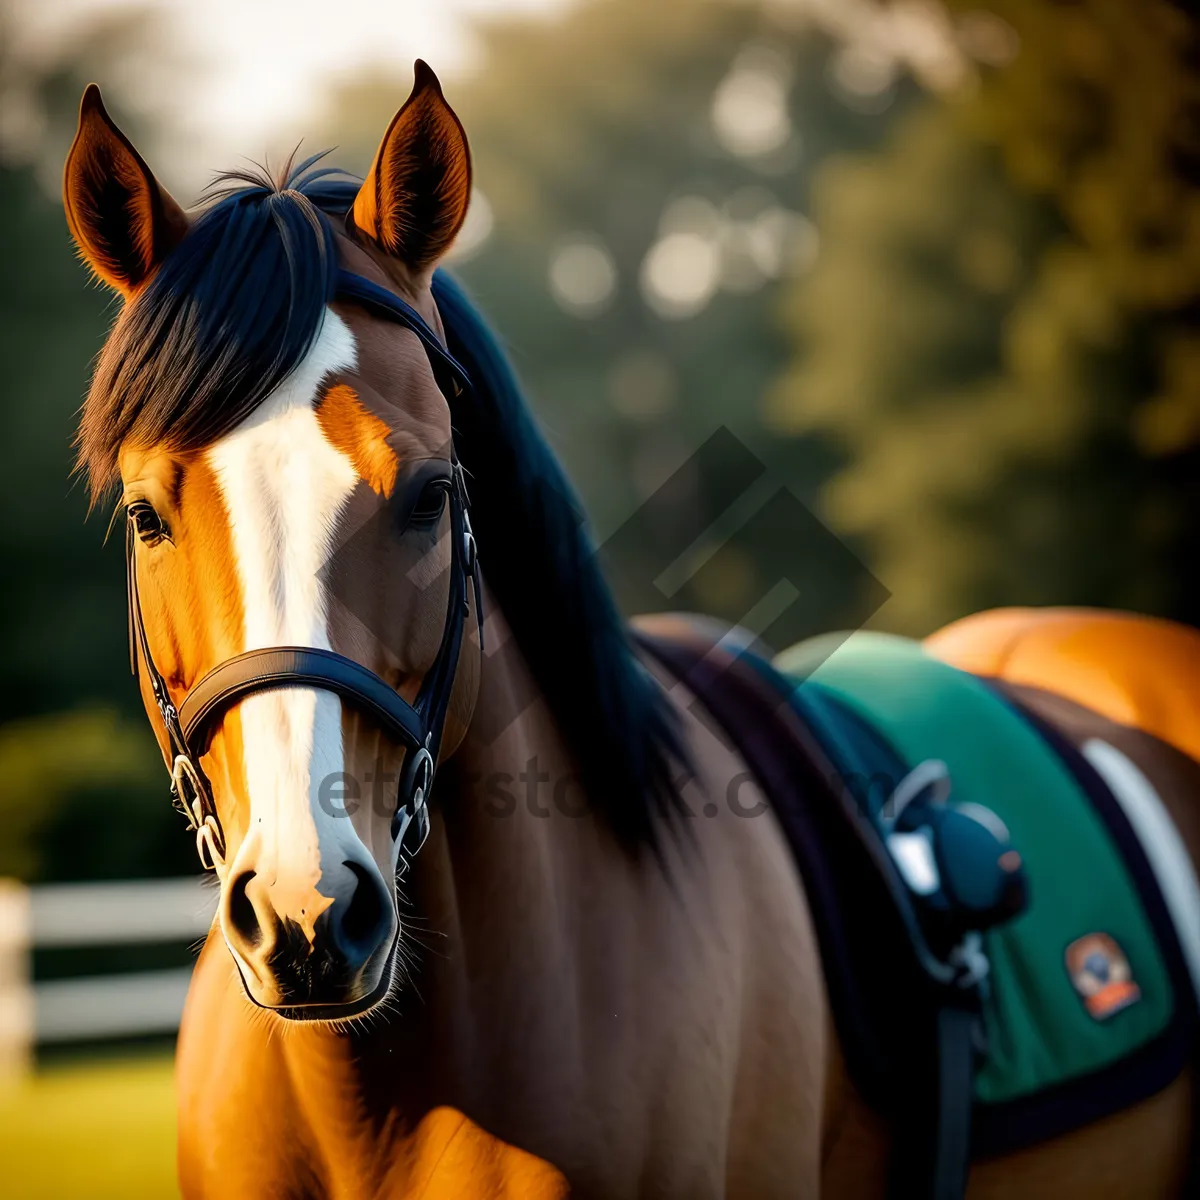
363,919
243,920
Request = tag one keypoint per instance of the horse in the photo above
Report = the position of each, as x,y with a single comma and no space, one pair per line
353,558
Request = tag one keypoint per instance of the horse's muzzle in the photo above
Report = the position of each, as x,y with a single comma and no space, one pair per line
338,965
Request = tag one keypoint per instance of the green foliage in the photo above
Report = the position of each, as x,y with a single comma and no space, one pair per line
58,618
589,127
83,796
82,789
1099,113
65,595
997,334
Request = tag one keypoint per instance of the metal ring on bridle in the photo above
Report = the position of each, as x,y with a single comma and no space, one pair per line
185,788
210,844
410,824
189,797
422,777
415,784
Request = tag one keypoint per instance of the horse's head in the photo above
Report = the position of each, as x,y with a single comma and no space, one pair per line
284,455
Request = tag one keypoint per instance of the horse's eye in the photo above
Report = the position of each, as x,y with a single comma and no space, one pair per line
429,507
147,524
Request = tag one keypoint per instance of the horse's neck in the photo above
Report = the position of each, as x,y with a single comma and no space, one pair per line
482,907
502,858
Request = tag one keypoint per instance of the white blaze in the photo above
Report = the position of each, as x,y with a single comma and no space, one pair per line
284,487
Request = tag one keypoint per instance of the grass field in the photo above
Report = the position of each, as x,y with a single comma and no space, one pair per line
90,1131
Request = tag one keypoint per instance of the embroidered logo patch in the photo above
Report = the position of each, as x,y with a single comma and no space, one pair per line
1100,973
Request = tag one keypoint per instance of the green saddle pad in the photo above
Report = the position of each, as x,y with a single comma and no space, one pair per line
1083,899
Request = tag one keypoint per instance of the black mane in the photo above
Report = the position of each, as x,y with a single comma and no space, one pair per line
232,312
540,563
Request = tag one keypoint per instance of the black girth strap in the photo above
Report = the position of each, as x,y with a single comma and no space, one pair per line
417,726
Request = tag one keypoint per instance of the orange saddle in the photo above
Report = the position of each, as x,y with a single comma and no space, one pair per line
1137,671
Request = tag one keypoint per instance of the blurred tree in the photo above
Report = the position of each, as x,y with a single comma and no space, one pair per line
57,626
83,791
999,332
72,792
642,175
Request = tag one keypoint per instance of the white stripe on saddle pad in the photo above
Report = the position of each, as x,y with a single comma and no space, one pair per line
1164,848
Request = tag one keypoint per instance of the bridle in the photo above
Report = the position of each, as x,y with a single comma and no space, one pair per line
418,726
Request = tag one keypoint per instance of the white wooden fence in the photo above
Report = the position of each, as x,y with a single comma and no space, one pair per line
92,914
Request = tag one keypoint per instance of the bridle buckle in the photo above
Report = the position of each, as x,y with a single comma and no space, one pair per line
185,791
210,846
410,825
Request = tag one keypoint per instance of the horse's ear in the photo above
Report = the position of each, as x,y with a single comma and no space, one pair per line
123,221
414,199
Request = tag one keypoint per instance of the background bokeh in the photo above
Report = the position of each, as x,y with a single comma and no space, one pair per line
936,262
